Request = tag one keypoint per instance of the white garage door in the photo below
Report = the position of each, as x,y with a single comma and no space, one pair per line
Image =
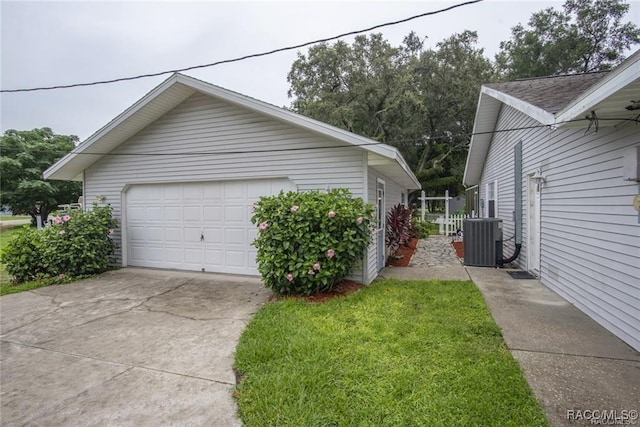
204,226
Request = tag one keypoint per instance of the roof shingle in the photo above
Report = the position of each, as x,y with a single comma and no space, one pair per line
549,93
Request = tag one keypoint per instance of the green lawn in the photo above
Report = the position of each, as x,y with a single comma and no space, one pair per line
394,354
13,217
6,287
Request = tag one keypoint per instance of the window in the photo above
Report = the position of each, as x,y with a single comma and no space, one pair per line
492,199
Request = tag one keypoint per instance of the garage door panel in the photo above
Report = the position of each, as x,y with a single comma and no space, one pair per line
153,213
212,193
153,193
137,253
174,255
213,257
136,233
173,234
235,190
172,193
191,193
256,189
192,234
235,213
155,253
165,223
155,234
212,213
213,236
235,236
135,213
192,214
235,258
173,213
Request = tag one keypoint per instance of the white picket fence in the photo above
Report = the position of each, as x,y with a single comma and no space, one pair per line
450,227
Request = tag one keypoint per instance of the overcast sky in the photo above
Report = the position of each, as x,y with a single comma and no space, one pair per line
51,43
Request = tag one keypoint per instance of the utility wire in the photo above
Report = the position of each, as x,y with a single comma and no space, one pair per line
291,149
242,58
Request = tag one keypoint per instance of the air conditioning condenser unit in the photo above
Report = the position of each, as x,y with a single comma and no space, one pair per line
482,241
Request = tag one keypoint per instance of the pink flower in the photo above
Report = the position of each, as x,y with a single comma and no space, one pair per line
311,272
263,225
295,208
61,276
111,231
330,253
61,232
57,220
331,214
66,218
359,220
316,266
290,277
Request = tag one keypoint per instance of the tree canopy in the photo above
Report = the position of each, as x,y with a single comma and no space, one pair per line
421,101
585,36
24,155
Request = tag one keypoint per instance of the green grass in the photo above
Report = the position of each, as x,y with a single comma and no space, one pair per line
6,286
13,217
394,354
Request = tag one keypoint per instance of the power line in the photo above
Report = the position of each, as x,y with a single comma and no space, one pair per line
242,58
291,149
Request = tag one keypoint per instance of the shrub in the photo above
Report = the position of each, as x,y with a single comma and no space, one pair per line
308,242
76,245
422,228
399,228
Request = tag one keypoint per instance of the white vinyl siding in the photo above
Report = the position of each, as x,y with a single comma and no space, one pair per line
393,196
204,139
590,236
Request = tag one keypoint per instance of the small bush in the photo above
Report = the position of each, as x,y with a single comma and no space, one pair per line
423,228
76,245
308,242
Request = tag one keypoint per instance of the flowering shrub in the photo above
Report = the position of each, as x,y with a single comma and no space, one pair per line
75,245
307,242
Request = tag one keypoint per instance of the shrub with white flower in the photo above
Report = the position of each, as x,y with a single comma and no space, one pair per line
308,242
75,245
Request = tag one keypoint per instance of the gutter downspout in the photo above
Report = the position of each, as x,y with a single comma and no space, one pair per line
517,213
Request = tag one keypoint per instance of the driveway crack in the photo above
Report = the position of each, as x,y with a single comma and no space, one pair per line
143,302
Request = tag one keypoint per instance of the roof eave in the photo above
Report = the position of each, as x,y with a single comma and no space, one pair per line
63,168
57,170
484,123
621,76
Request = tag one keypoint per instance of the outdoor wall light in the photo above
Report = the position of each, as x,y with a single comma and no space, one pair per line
537,177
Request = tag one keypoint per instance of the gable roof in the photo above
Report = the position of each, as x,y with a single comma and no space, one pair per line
550,94
560,101
175,90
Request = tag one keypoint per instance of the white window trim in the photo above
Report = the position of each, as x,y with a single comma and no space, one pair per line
495,199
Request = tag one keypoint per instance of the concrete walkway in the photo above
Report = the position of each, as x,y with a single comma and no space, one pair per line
134,347
575,367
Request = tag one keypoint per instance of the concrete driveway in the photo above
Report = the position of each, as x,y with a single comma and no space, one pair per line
131,347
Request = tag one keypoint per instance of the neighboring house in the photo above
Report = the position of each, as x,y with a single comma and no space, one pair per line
557,159
183,166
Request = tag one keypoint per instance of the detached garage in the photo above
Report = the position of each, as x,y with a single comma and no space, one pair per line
182,167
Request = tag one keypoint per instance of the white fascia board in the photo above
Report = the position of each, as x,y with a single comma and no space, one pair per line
625,74
485,120
89,142
530,110
403,164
